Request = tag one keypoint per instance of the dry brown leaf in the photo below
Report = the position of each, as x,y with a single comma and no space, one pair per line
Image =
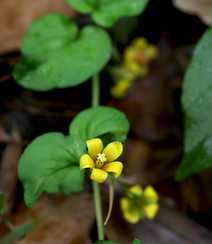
8,169
4,137
17,15
169,226
65,220
117,229
201,8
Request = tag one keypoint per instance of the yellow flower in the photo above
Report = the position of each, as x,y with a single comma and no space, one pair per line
102,161
119,89
140,51
139,204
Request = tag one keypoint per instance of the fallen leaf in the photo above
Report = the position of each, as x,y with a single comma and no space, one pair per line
17,15
65,219
8,169
201,8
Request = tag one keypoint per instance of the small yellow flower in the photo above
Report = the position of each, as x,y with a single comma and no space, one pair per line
140,51
101,160
139,203
119,89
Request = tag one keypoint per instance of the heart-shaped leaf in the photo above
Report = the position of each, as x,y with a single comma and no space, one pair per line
93,122
50,161
107,12
197,107
3,203
55,57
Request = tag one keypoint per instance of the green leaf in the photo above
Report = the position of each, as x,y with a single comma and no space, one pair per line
107,12
105,242
93,122
54,56
107,138
3,203
197,107
48,34
20,232
136,241
50,161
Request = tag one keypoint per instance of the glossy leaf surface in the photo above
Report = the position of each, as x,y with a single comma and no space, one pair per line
55,56
107,12
93,122
49,162
197,107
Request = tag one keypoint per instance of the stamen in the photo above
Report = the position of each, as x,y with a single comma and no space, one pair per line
101,159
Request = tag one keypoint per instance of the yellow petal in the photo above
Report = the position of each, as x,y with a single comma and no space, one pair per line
113,150
151,210
95,146
133,217
115,167
129,54
137,189
86,162
119,90
151,194
152,51
125,204
140,42
98,175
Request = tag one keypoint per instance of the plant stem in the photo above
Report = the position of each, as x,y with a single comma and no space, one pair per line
98,209
8,223
95,91
96,193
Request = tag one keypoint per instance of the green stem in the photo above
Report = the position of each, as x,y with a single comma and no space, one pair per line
126,189
95,91
96,193
8,223
98,209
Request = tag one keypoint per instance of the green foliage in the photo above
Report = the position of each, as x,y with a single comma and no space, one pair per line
107,138
135,241
106,242
20,232
50,161
107,12
54,56
93,122
197,107
3,203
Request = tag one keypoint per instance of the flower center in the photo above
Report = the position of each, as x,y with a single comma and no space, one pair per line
101,159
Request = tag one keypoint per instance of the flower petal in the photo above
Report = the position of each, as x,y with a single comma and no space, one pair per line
125,204
131,217
115,167
151,210
95,146
98,175
86,162
140,43
137,189
113,151
151,194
